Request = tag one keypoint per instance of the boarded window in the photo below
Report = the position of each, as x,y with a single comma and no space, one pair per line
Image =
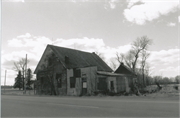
77,72
59,80
102,84
72,82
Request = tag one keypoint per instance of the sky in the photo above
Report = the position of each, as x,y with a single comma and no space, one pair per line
103,26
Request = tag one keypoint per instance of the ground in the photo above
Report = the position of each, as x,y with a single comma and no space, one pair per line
160,104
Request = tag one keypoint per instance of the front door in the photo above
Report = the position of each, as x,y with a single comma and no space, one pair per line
112,86
84,86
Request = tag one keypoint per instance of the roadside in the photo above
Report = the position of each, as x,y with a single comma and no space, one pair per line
168,92
92,106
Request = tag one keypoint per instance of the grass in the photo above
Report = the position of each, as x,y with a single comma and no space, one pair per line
166,91
12,91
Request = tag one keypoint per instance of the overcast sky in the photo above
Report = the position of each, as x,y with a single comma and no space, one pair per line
104,26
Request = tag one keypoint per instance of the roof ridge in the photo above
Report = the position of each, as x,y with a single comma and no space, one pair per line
128,68
69,49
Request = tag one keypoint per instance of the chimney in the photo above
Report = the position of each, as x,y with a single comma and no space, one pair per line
66,59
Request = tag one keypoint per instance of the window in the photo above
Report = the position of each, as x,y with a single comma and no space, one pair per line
77,72
72,82
112,85
102,84
59,80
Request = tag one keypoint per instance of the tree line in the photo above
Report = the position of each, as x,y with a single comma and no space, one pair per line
136,60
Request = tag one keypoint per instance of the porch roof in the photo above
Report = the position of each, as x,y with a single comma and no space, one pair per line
110,74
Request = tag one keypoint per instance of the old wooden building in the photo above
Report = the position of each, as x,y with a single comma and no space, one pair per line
130,76
64,71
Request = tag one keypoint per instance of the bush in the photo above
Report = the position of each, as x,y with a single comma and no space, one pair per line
104,92
29,88
100,92
175,87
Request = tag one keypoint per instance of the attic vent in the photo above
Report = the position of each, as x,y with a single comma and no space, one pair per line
122,63
66,59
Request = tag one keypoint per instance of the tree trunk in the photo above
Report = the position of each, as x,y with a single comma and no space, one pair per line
144,84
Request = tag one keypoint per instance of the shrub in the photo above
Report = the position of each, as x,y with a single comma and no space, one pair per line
175,87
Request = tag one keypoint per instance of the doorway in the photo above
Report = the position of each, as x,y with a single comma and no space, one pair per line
84,86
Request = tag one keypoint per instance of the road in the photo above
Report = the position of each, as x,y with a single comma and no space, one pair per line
38,106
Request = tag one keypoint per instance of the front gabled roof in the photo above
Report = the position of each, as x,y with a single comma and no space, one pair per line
122,69
78,59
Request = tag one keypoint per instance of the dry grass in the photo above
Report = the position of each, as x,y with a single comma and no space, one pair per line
166,91
16,92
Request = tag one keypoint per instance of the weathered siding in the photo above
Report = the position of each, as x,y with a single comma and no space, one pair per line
109,79
48,73
70,91
78,86
89,73
91,76
63,89
43,63
122,83
100,82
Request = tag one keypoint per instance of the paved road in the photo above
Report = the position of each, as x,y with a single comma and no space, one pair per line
36,106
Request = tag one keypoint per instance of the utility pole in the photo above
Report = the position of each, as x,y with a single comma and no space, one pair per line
4,81
25,75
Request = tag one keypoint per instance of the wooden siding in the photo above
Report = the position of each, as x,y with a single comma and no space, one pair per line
109,79
48,73
121,84
70,91
89,73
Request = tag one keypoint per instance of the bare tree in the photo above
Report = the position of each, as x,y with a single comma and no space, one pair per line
129,59
148,73
144,56
138,46
177,79
119,57
113,63
100,55
28,77
157,80
20,66
132,57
